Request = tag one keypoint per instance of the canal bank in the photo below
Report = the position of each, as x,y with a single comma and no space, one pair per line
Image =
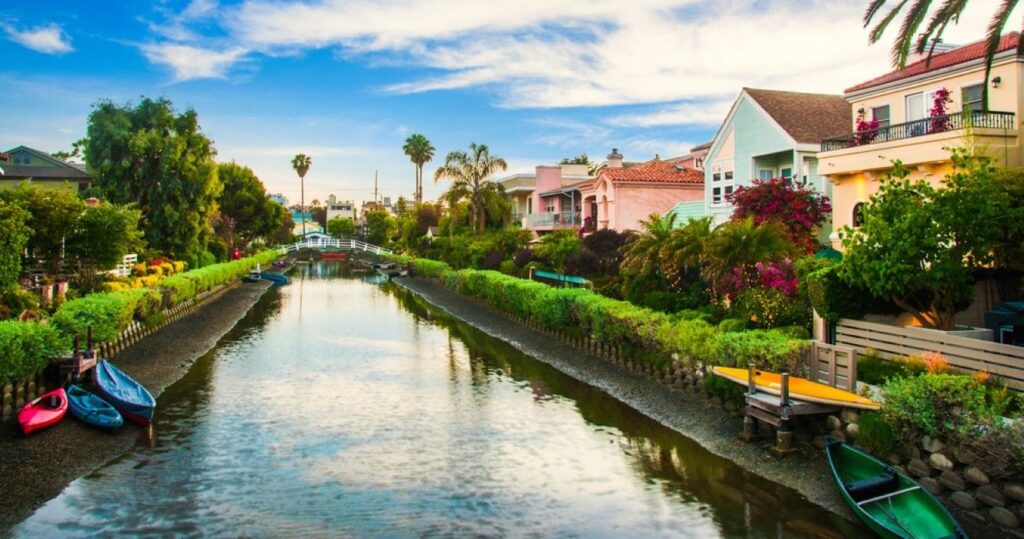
689,413
37,469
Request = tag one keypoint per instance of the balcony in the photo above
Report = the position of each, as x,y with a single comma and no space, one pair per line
918,128
554,220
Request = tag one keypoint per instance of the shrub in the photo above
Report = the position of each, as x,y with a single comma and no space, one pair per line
875,370
949,406
768,308
767,349
730,325
27,347
834,299
875,434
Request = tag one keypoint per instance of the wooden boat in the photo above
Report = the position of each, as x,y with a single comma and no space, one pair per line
130,398
92,410
888,502
46,410
799,388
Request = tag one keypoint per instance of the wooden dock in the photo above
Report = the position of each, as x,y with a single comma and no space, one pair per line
777,411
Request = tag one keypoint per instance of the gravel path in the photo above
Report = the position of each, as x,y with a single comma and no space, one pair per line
35,470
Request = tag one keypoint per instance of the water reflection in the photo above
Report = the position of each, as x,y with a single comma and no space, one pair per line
373,415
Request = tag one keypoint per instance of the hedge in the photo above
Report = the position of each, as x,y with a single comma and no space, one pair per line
642,333
26,347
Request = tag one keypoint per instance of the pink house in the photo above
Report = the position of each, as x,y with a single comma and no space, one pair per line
620,197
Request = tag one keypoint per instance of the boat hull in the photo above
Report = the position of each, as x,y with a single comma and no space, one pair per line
275,277
92,410
888,502
799,388
42,413
128,396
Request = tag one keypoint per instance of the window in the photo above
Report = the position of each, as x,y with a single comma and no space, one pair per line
765,174
787,174
972,95
858,214
881,114
550,207
915,107
716,195
529,205
716,176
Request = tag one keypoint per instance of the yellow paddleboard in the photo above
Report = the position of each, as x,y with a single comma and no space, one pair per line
799,388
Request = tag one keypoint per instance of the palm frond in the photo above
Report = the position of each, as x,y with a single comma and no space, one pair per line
992,39
948,12
879,29
873,8
911,22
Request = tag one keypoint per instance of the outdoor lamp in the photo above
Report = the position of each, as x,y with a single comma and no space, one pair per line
996,81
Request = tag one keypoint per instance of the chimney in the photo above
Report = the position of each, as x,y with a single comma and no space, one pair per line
614,159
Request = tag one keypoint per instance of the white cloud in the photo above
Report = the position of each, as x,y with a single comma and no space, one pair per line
565,53
189,62
49,39
701,113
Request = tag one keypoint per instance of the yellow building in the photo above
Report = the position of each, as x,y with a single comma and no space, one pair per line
908,129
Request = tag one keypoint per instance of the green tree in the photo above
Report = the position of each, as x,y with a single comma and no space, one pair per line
420,151
103,235
642,254
919,245
150,156
580,159
245,211
16,233
341,226
470,175
1009,186
53,214
378,227
742,244
910,37
301,163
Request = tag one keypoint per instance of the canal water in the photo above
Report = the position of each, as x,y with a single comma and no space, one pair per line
343,407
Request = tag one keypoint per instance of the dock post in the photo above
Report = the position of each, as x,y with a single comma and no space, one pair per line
750,433
784,436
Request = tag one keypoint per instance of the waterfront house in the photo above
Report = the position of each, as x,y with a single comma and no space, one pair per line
894,112
40,168
545,200
342,208
620,197
770,134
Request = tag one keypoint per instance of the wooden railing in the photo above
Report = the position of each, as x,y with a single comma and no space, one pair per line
335,243
962,353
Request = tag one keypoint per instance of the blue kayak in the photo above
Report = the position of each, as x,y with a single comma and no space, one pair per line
91,409
130,398
277,278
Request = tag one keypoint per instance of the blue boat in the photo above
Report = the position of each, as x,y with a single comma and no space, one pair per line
92,410
278,278
130,398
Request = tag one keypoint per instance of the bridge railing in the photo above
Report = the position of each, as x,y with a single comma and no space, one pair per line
350,244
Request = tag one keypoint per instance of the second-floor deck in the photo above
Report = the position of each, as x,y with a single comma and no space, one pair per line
554,220
927,126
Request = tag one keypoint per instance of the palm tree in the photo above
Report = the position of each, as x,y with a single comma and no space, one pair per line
469,174
742,244
949,11
419,150
301,163
643,255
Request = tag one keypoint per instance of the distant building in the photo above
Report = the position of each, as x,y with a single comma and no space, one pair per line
332,200
693,160
279,198
344,208
40,168
522,191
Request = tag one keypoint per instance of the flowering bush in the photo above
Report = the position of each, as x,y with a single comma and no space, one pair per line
939,120
866,131
797,208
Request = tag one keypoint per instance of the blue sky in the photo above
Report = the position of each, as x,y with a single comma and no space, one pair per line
347,81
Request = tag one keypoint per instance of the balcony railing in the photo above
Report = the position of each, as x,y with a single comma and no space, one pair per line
565,219
917,128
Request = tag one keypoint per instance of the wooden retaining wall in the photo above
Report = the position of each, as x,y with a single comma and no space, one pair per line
14,396
962,353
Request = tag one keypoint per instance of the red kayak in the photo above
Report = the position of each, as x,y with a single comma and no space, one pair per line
43,412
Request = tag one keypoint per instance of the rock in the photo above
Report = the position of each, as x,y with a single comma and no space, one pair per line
964,456
964,500
940,462
931,485
918,468
931,445
838,435
849,415
833,423
1014,491
731,406
976,476
952,481
978,517
1004,517
819,442
900,469
915,452
990,496
852,430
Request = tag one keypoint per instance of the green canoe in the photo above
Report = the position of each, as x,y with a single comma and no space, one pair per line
890,503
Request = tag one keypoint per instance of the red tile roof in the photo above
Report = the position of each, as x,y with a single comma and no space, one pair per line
654,171
974,51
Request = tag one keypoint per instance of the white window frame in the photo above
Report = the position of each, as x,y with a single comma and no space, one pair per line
888,121
963,87
924,105
549,205
761,171
725,182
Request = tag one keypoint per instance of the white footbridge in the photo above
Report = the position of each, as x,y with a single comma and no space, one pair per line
323,242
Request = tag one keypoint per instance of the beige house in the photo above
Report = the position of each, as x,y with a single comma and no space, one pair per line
902,103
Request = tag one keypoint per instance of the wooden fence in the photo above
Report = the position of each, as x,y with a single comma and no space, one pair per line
962,353
834,365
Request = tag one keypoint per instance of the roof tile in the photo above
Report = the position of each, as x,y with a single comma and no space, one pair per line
808,118
654,171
